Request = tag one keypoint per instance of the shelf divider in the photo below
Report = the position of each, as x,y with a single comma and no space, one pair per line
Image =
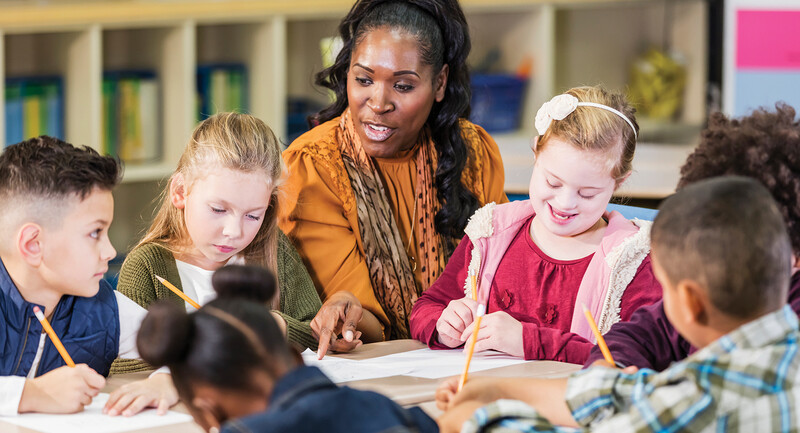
83,79
268,78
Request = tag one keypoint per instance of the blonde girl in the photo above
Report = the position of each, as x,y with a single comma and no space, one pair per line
536,262
219,207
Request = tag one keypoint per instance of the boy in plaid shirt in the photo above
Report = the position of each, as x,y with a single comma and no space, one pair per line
722,254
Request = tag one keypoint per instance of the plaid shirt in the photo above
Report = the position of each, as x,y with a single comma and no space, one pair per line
746,381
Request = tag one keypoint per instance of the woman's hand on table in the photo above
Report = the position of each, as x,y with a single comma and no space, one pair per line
459,314
339,315
155,391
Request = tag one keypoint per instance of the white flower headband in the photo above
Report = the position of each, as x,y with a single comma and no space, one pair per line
562,105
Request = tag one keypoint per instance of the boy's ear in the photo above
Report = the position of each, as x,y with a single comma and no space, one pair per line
693,302
29,243
177,191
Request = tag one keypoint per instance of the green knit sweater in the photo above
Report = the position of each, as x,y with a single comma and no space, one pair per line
299,301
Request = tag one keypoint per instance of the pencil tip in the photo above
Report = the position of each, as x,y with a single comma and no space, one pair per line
158,278
584,307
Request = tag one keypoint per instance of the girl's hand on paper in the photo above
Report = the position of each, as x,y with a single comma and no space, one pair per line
459,314
63,390
339,315
499,331
155,391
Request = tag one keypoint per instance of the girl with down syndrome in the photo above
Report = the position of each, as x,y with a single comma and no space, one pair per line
537,262
234,370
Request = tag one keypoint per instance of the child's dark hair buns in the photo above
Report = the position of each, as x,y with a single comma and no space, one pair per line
252,283
165,334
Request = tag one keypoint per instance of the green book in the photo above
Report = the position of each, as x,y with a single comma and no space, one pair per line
236,91
110,125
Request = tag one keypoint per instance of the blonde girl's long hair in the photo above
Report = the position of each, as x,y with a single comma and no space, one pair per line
237,142
593,129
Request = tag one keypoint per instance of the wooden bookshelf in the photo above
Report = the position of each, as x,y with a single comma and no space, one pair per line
571,42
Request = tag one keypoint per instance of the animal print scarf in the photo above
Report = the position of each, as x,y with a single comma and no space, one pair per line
390,269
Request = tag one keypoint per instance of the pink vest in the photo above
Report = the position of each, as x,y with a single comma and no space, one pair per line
624,246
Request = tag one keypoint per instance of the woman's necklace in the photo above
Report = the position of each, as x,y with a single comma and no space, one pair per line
411,257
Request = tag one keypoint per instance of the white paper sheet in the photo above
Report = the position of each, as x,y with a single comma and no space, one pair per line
92,420
341,370
426,363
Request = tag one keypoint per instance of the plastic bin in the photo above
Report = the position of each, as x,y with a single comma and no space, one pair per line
497,101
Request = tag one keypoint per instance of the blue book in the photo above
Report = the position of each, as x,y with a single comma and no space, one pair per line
13,99
53,105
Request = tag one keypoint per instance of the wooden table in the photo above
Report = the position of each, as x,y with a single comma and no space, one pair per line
405,390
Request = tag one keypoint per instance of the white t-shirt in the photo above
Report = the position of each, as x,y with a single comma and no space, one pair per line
196,281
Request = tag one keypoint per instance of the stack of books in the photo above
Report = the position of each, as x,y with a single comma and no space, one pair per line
131,116
34,107
221,88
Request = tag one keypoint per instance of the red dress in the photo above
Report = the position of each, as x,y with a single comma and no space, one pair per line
534,289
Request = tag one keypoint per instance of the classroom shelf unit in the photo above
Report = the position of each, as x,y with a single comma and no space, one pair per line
571,42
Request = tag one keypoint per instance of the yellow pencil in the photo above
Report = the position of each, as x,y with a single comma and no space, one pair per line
178,292
474,282
53,337
474,339
600,341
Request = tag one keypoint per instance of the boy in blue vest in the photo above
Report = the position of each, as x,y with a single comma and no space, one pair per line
722,254
54,249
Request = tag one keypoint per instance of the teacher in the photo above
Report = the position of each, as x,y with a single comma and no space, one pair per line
379,192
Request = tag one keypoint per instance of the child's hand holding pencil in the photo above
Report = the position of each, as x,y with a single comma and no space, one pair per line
63,390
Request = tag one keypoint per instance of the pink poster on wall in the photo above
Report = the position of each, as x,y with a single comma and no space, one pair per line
768,39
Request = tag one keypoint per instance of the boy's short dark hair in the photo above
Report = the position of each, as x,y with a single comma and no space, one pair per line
728,235
765,146
39,175
48,167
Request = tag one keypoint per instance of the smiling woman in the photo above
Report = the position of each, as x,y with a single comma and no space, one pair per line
379,193
220,207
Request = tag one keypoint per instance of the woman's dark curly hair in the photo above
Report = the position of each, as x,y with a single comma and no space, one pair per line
443,38
765,146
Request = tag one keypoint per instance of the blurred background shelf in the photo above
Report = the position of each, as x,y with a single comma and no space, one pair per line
565,43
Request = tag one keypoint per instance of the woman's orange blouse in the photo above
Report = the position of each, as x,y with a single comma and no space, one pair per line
318,206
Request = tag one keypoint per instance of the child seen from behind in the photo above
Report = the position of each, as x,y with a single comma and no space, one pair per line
722,254
234,371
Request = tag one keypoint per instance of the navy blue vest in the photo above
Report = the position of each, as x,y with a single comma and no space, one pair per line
88,327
